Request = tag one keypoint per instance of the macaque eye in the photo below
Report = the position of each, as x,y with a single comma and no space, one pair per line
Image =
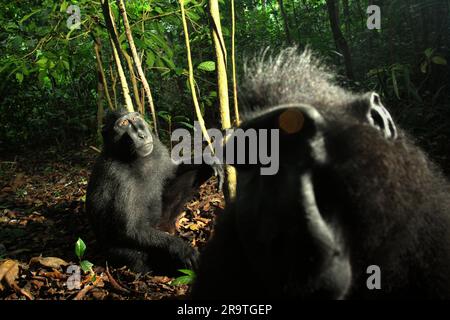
291,121
123,123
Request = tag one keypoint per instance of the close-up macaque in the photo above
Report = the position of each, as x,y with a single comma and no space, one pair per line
224,159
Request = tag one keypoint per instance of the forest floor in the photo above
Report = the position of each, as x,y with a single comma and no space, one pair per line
42,199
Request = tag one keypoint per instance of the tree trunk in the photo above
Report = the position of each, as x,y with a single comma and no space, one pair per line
222,84
101,72
346,17
362,14
116,50
339,39
233,63
286,22
191,79
133,81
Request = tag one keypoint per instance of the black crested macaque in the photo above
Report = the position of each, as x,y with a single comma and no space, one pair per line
135,195
352,191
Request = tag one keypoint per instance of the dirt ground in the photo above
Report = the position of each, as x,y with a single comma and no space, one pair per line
42,199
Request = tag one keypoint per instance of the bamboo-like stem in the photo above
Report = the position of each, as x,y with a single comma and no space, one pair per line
143,100
198,112
133,80
97,48
137,62
114,82
222,83
221,58
123,79
233,63
114,39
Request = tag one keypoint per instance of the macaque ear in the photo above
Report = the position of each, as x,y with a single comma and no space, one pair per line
372,111
290,130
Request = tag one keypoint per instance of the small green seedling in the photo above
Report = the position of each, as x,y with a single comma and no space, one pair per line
187,278
86,266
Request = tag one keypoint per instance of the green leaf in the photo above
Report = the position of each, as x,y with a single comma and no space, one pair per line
165,115
181,281
179,71
186,124
428,52
86,266
192,15
226,32
28,16
424,67
160,64
80,248
64,6
207,66
66,64
187,272
439,60
160,41
19,77
150,60
42,62
180,118
169,62
187,279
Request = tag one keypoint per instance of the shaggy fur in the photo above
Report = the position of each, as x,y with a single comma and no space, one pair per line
133,201
383,199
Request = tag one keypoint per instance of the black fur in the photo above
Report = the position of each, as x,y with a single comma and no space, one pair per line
380,197
134,199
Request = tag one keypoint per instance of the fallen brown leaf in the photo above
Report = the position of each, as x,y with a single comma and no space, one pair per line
55,274
162,279
9,271
50,262
17,181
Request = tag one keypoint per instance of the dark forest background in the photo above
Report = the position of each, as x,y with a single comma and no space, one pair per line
48,87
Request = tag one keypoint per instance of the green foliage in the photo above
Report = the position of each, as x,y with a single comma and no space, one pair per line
207,66
48,87
80,248
86,266
49,90
187,278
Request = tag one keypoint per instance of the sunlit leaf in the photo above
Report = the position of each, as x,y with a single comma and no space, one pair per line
207,66
42,62
19,77
181,281
80,248
187,272
86,266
